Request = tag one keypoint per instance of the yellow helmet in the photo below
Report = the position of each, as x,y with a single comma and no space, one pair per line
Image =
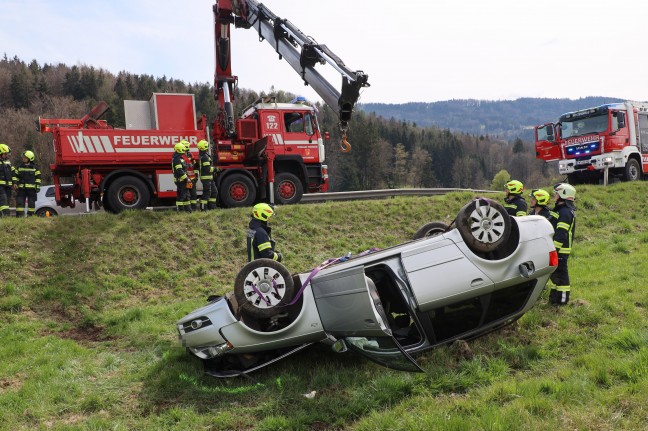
514,187
179,148
29,155
186,144
565,191
541,196
4,149
202,145
262,212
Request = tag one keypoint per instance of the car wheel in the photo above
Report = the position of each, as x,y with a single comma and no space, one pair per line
262,288
128,193
632,171
42,212
484,225
288,188
237,190
431,229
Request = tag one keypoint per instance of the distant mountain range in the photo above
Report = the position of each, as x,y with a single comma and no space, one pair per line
506,119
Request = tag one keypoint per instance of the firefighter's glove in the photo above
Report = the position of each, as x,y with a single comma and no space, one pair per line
279,256
189,184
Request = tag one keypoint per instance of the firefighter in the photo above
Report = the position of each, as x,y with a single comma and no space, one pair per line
539,200
206,169
565,228
6,179
514,202
259,241
192,175
26,182
179,167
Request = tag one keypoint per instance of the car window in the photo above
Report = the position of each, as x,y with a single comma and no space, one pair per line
51,192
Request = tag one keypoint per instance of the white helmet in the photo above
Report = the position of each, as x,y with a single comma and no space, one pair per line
565,191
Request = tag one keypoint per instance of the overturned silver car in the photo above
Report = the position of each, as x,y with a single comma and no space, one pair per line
446,284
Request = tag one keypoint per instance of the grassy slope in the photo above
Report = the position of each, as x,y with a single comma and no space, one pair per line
88,305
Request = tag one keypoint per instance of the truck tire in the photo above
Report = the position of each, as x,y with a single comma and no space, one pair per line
484,225
127,193
237,190
632,171
288,188
263,288
431,229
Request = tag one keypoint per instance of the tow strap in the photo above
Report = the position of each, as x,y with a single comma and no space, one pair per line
324,265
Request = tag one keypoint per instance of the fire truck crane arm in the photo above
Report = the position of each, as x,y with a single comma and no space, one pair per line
303,53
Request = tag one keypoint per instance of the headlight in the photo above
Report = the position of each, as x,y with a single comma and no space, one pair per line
212,351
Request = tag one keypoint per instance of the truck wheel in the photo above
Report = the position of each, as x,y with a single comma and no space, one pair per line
484,225
288,188
262,288
431,229
632,171
237,190
127,193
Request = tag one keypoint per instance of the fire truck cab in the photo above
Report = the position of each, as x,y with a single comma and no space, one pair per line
586,142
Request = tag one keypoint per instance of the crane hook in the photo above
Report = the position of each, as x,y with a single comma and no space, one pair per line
344,145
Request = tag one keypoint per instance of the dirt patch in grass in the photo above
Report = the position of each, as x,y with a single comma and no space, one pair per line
12,383
93,334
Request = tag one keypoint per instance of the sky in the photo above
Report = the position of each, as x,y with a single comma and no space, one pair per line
412,50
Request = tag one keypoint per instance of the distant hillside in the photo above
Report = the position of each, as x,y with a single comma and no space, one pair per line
508,119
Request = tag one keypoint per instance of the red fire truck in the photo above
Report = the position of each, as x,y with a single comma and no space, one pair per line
273,152
586,142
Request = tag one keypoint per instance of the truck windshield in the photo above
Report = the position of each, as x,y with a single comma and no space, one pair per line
584,126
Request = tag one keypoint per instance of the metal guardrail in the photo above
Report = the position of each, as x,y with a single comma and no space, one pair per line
377,194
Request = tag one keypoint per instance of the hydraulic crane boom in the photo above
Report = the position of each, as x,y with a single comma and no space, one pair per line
299,50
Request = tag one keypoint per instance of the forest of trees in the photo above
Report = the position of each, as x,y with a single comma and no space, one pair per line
387,153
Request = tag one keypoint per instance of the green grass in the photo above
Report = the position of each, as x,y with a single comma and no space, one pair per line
88,305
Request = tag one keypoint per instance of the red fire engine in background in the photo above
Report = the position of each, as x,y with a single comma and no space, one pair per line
586,142
273,152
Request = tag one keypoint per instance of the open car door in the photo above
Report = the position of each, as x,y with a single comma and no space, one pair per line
350,309
546,143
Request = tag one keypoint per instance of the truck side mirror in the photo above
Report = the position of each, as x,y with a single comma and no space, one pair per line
621,120
550,134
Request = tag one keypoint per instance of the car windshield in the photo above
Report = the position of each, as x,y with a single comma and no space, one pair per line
584,126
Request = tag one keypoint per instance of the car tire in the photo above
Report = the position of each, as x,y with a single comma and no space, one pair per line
484,225
272,280
237,190
288,188
127,193
42,212
431,229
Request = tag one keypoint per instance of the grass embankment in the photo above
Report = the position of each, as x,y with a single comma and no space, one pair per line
88,305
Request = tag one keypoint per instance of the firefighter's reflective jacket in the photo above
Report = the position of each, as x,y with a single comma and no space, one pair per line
206,167
27,176
564,222
515,205
259,243
179,167
6,173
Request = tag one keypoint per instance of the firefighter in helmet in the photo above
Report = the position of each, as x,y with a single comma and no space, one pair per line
192,174
27,183
539,200
206,169
259,240
179,168
514,202
6,179
564,220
